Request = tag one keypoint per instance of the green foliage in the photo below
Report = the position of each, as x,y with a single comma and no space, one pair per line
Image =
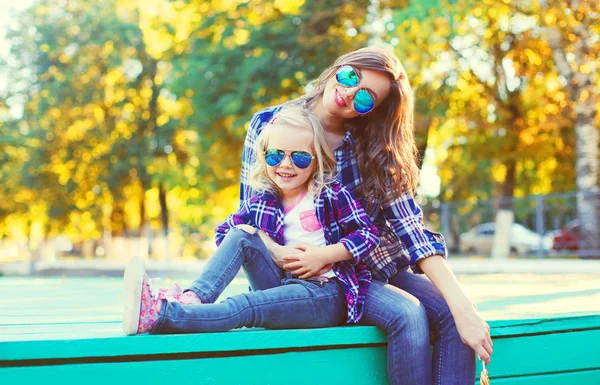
122,97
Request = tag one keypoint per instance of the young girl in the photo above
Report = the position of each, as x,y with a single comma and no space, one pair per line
365,104
298,203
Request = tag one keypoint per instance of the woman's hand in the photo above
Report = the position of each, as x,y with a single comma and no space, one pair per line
306,262
473,330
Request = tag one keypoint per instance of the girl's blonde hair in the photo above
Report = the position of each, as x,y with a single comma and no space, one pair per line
296,118
385,146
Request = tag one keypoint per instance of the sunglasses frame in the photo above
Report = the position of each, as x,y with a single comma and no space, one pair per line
291,155
349,86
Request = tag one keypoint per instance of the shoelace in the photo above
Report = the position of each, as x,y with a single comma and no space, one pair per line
170,294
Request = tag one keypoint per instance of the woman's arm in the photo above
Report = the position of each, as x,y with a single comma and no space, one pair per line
473,330
427,255
257,124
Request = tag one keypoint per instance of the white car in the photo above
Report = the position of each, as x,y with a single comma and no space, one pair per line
522,240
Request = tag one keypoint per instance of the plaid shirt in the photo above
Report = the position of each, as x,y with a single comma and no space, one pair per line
343,221
404,238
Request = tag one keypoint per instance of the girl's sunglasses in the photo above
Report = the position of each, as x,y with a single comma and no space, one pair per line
301,159
363,101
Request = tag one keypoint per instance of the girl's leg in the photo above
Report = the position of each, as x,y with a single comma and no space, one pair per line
295,304
403,319
453,361
237,249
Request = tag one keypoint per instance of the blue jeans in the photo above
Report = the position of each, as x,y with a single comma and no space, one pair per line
453,361
404,320
287,303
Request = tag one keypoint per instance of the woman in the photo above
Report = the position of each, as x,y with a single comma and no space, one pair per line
365,104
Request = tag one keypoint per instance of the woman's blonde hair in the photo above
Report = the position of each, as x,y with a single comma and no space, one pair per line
385,146
296,118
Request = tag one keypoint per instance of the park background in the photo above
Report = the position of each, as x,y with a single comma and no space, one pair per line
122,121
121,129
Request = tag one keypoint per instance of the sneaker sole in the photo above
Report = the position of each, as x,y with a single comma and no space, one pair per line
134,277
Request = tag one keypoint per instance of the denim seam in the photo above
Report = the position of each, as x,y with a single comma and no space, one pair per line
438,331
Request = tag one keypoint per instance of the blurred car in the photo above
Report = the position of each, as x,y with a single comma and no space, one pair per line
522,240
567,238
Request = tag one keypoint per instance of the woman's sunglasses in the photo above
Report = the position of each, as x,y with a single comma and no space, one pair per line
301,159
363,101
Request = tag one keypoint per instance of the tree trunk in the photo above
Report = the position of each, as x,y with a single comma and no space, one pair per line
143,230
164,216
422,124
508,187
583,96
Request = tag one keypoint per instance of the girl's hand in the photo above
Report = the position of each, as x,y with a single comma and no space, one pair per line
473,330
247,228
307,262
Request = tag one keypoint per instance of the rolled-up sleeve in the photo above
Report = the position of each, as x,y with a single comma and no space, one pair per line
406,218
240,217
359,235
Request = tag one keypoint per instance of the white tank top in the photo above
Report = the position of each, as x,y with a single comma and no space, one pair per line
303,226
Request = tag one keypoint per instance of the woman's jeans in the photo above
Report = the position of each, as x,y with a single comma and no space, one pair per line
453,361
280,303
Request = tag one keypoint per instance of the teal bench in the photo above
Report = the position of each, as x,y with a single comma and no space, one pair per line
539,351
67,331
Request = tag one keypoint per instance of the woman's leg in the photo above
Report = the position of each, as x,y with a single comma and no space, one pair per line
453,361
237,249
403,319
295,304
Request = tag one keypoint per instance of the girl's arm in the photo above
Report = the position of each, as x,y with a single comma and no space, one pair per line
240,217
359,234
473,330
359,238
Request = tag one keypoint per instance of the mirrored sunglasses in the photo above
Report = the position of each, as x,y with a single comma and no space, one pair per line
300,159
363,100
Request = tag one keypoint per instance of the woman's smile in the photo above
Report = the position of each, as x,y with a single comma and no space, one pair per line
339,100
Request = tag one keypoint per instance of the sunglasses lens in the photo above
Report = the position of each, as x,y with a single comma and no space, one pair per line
301,159
347,77
273,156
363,102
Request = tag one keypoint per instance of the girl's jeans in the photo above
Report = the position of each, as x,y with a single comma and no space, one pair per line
283,303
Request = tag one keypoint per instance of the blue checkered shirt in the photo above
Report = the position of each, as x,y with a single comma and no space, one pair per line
404,238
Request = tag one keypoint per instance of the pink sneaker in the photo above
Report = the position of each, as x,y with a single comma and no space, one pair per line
142,301
141,305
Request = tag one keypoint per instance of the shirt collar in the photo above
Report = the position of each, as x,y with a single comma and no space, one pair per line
348,140
267,196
